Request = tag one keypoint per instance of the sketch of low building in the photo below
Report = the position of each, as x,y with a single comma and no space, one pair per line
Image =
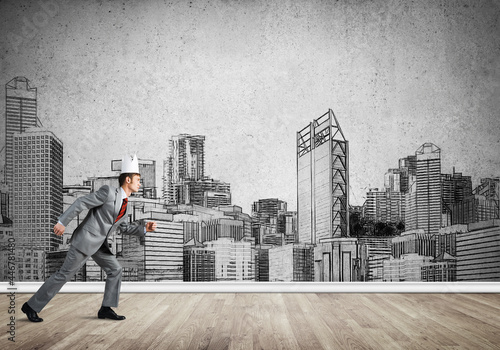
160,254
478,252
291,263
199,262
6,237
234,260
376,251
385,206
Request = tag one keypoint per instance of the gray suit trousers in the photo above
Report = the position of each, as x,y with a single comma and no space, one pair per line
73,262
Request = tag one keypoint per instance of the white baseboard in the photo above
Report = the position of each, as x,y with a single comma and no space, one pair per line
266,287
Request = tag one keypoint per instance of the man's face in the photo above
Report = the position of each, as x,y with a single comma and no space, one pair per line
135,183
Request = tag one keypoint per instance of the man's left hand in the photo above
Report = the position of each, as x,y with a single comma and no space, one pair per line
150,226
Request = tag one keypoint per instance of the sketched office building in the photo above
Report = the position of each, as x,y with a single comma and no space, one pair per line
20,114
185,162
184,180
37,199
322,191
424,197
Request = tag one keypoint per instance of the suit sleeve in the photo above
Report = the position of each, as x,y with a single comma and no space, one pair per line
89,201
136,228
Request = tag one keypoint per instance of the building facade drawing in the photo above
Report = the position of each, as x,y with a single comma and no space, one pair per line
37,192
478,252
424,198
20,114
323,199
322,180
385,206
186,161
291,263
234,260
184,180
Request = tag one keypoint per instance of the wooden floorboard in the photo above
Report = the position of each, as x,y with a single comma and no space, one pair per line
261,321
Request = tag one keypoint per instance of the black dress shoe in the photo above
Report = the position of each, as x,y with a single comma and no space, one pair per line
107,312
32,315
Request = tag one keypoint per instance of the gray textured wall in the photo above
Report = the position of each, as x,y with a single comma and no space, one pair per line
250,74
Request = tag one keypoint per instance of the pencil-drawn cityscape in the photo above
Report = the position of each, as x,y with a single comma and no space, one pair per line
423,225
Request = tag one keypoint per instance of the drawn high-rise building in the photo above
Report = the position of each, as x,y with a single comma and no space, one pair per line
322,181
455,188
322,198
490,188
385,206
482,205
207,192
184,180
388,205
407,169
267,210
20,114
186,161
37,187
37,198
273,222
287,224
423,200
266,215
392,180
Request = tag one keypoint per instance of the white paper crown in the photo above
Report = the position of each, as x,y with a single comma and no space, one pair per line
130,165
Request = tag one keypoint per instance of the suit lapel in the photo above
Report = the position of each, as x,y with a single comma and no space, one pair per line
118,203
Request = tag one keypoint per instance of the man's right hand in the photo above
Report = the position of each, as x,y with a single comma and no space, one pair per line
59,229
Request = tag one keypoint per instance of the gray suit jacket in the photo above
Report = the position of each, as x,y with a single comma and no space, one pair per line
104,206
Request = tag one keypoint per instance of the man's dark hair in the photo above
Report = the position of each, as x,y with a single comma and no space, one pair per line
123,177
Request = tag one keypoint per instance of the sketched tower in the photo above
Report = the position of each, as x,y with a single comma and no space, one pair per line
322,191
186,162
424,198
37,199
322,181
20,114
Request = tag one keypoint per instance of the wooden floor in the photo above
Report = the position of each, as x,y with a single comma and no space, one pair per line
262,321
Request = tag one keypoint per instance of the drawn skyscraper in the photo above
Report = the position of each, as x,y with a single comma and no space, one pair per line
424,202
186,162
184,175
20,114
37,197
455,188
388,205
322,199
37,186
407,169
271,218
322,180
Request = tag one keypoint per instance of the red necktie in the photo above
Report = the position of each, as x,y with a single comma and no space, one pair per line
122,210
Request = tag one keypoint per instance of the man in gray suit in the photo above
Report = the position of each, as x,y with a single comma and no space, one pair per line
107,212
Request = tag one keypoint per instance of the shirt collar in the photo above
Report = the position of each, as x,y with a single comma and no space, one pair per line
124,195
